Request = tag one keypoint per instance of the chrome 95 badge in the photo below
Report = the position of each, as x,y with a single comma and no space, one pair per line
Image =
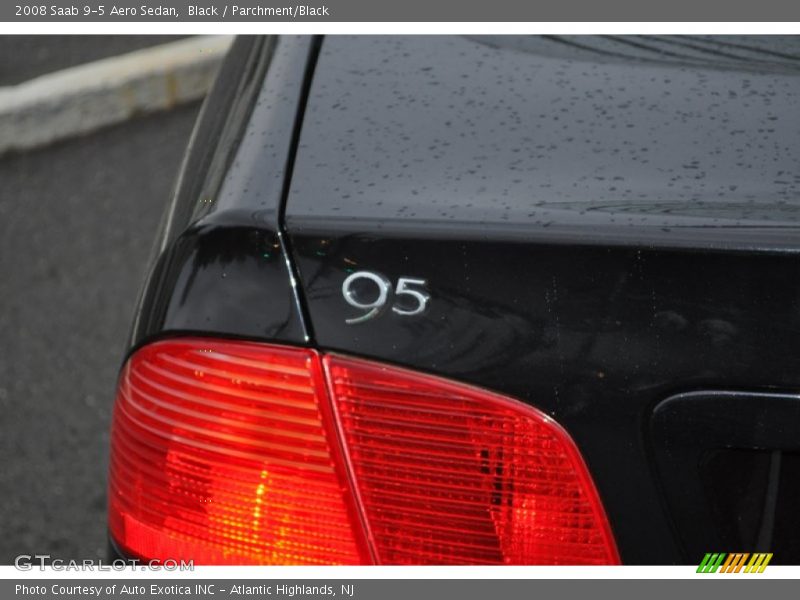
373,293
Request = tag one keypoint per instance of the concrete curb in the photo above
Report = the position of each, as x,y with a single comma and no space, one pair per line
84,98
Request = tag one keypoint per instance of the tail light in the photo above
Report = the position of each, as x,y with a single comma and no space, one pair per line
242,453
224,452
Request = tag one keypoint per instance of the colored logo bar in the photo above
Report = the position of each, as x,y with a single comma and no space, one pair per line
735,562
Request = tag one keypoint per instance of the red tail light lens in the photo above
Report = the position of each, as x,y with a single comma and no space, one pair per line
232,453
224,452
450,474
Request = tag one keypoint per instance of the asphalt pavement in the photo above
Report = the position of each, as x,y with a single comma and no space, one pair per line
25,56
76,225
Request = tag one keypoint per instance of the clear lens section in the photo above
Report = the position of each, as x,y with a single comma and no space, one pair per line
450,474
221,453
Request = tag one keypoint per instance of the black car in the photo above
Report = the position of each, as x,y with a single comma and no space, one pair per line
504,300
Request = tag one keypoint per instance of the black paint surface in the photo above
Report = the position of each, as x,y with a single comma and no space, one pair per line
597,231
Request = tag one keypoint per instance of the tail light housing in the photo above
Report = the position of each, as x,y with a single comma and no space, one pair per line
230,452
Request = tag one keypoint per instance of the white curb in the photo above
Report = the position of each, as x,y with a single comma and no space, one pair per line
81,99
